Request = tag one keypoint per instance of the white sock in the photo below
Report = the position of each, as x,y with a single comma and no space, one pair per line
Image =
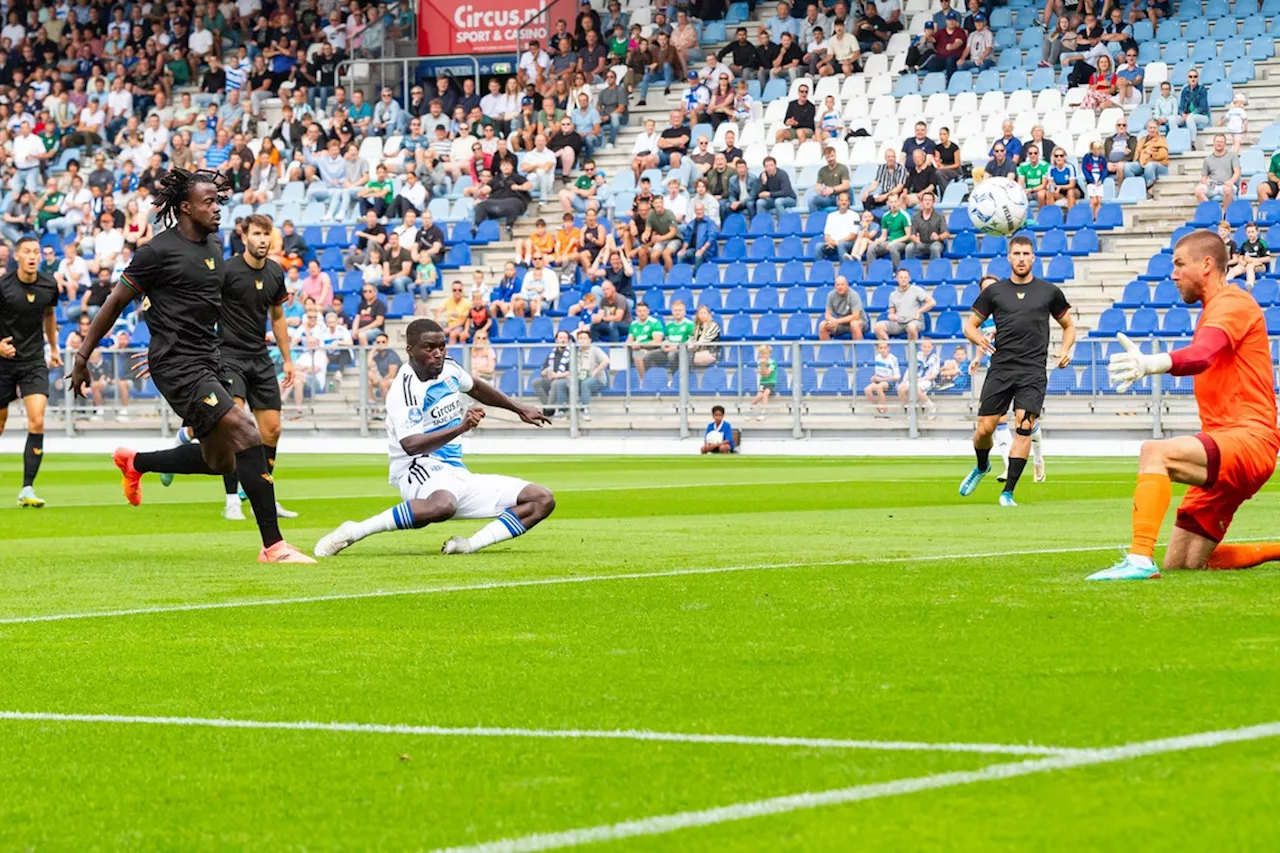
1004,444
1037,452
1141,560
505,526
399,517
233,500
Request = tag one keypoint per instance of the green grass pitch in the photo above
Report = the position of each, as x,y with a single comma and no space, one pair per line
867,603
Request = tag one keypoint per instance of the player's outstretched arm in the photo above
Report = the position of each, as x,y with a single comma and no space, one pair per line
421,444
1131,365
484,393
111,310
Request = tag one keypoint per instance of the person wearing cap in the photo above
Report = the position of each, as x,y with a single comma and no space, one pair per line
696,98
951,43
978,49
800,117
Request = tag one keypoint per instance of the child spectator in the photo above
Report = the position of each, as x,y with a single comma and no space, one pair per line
868,233
484,361
1164,107
1094,168
954,373
829,121
1236,121
719,435
927,372
478,317
540,242
767,371
1255,255
886,375
1233,252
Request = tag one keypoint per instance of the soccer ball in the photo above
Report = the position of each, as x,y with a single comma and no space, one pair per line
998,206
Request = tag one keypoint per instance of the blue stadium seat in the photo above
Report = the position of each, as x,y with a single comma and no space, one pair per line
879,271
735,249
1060,269
734,225
1062,381
795,299
768,327
1046,218
999,267
1054,242
737,274
1267,292
458,256
958,221
708,275
682,294
401,306
1111,323
681,275
1109,216
655,382
709,297
852,270
937,272
1136,295
739,327
331,259
1159,268
1239,212
813,224
948,325
968,271
798,327
790,249
822,273
1166,295
789,224
714,380
761,226
1273,320
737,300
1084,242
762,248
829,354
1176,322
992,247
1143,323
651,276
835,381
764,274
766,300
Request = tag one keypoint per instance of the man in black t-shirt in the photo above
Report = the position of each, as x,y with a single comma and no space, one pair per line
180,276
799,118
1021,307
27,303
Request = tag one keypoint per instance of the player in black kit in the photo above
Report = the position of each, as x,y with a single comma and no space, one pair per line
1021,306
179,275
253,290
27,300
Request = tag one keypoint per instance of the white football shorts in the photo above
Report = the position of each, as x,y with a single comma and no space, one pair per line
477,495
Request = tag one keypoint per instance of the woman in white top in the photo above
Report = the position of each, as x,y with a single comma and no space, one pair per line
644,154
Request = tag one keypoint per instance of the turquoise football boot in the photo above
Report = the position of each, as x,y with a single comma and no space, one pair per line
971,482
1006,499
1126,570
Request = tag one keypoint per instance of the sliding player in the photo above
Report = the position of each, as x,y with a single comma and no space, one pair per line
425,419
27,303
179,275
1234,454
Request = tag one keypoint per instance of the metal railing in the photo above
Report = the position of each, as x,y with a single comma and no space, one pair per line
817,386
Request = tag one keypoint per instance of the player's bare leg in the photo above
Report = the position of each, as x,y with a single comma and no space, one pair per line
406,515
1160,465
233,445
1024,423
533,504
983,441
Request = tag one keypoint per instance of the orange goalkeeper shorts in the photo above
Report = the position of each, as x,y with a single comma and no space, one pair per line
1240,463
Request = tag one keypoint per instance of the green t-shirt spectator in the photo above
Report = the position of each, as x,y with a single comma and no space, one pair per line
679,332
1274,166
660,223
770,381
385,186
1255,249
584,182
618,47
1033,175
895,224
55,199
643,331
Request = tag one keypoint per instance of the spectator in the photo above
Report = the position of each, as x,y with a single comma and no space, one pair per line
586,122
1120,149
1193,106
895,233
868,236
1236,121
871,30
313,361
677,330
978,52
700,235
742,52
886,374
951,44
1033,176
954,372
371,316
946,160
925,45
1234,265
384,363
540,287
1219,174
1011,144
73,272
553,378
1094,168
19,216
506,197
94,297
664,65
921,178
767,377
773,192
614,107
397,265
644,340
618,271
890,181
1000,165
660,240
719,435
833,180
1063,183
567,144
540,242
593,239
452,314
743,188
593,372
1152,157
704,347
479,319
927,370
929,234
673,139
1254,255
908,305
838,232
845,317
1164,108
799,121
787,60
613,319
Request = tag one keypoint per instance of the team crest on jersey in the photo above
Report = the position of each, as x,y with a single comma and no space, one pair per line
209,262
415,415
211,400
31,297
146,303
1022,296
257,283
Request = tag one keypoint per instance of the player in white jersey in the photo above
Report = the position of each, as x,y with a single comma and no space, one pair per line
425,419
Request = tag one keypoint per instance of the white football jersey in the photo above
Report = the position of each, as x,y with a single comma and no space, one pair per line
415,407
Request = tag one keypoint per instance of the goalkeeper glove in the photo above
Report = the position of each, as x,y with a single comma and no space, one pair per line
1131,365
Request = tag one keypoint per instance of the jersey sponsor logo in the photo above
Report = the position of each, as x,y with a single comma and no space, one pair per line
447,410
211,400
209,262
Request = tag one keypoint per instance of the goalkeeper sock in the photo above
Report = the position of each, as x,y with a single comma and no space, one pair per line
1243,556
504,527
1151,499
399,517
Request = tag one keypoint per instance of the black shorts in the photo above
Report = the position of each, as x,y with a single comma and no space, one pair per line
1274,187
22,379
1023,388
198,395
253,379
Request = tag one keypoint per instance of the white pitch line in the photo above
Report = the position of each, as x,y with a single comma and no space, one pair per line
662,824
554,734
478,587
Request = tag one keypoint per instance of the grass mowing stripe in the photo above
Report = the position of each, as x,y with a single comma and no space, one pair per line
479,587
662,824
564,734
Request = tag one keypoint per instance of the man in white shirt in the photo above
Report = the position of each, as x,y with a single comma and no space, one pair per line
533,66
108,242
336,32
137,152
155,136
408,230
119,101
72,273
839,232
200,42
644,154
677,202
411,198
28,153
714,72
540,167
540,286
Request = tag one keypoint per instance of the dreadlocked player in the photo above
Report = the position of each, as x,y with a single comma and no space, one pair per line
179,275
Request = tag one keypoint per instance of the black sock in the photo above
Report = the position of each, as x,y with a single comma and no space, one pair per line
183,459
271,458
31,456
984,458
230,484
255,479
1015,471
